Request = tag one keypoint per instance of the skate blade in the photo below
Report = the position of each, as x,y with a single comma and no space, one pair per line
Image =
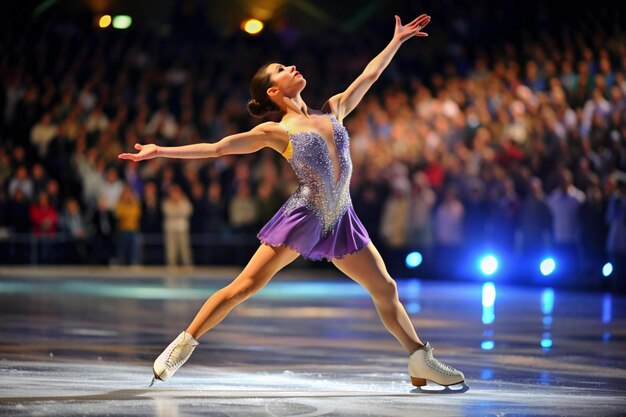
154,378
437,389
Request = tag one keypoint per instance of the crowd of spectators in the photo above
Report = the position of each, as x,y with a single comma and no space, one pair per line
517,148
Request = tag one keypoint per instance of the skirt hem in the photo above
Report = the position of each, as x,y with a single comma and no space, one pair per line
328,258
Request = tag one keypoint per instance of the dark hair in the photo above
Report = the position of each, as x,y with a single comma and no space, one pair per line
260,104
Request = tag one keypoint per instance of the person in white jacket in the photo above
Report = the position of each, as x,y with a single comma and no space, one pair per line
177,211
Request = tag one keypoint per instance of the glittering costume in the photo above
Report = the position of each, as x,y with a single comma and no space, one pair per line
318,220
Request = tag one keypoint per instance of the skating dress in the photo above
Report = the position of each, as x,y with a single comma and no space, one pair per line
318,220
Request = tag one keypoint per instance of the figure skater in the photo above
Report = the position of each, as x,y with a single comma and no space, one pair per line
317,221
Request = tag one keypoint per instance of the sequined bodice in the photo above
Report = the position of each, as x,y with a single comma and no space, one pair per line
320,190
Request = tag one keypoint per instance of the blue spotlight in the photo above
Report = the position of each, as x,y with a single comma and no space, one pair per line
413,260
607,269
489,265
547,266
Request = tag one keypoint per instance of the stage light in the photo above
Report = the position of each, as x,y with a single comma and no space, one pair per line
414,259
489,265
252,26
547,266
104,21
607,269
122,21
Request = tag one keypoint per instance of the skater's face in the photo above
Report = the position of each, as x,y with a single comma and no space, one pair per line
286,81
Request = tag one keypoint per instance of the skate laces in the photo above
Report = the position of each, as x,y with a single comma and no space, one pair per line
177,356
437,363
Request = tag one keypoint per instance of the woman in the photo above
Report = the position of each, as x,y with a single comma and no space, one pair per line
318,220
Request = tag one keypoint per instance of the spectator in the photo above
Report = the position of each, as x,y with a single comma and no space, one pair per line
243,210
151,218
476,212
535,228
216,209
112,188
564,204
39,178
91,171
506,217
163,124
18,212
177,211
448,230
74,226
394,225
368,201
43,217
21,181
128,215
200,210
616,240
44,220
54,194
423,199
268,201
42,134
97,121
102,233
5,165
593,230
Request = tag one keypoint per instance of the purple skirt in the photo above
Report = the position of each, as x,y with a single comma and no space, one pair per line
301,231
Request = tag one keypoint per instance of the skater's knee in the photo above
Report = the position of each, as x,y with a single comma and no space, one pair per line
386,291
241,290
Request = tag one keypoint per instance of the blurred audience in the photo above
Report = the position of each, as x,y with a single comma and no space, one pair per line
482,134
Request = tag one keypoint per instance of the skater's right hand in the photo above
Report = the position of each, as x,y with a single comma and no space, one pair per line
145,152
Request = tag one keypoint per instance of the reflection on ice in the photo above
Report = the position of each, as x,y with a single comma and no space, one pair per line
547,306
489,315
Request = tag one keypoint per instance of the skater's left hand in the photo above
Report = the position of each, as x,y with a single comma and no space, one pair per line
404,32
148,151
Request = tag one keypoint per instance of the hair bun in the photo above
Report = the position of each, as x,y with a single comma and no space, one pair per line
256,109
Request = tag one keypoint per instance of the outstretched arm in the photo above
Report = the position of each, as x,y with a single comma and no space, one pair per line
261,136
343,103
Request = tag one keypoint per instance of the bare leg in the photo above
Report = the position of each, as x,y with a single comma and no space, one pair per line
367,268
266,262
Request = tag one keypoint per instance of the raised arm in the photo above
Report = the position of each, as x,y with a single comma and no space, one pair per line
343,103
261,136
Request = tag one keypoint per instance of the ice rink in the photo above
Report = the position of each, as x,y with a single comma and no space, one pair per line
80,342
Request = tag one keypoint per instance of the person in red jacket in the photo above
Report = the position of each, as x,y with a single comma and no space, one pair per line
44,220
43,216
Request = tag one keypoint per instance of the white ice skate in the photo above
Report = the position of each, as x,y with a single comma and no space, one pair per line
422,367
173,357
